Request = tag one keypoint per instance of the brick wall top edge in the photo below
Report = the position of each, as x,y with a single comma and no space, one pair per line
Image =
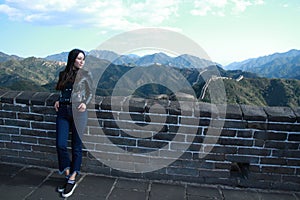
246,112
253,113
297,113
280,114
9,96
2,92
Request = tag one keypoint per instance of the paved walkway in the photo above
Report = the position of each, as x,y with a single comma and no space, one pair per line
26,182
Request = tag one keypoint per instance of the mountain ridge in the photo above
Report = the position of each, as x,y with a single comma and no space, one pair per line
277,65
242,87
181,61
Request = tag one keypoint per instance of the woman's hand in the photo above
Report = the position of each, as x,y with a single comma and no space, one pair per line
56,105
81,107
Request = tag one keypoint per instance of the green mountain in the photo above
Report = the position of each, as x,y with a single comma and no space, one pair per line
28,74
37,74
279,65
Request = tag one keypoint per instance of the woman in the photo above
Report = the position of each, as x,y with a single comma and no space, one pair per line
75,86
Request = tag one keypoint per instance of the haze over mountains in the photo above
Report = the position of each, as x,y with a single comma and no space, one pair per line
278,65
268,80
182,61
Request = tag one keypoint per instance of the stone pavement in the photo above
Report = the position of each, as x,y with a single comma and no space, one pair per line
18,182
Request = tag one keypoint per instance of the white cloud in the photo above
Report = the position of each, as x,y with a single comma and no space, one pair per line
241,5
12,13
41,6
117,14
219,7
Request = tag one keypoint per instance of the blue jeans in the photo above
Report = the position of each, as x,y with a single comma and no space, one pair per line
69,119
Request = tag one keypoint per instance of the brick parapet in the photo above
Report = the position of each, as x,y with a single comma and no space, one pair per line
237,145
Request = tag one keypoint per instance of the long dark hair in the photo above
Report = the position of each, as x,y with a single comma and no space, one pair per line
68,74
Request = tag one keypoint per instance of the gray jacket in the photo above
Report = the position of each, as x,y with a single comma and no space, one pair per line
82,87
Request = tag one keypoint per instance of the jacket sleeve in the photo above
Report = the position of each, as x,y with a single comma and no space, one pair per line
89,88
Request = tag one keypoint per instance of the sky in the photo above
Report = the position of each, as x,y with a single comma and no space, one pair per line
227,30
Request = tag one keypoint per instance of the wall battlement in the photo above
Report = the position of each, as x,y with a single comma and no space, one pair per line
245,146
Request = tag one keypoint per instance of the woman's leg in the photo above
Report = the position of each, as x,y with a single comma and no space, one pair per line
78,129
62,133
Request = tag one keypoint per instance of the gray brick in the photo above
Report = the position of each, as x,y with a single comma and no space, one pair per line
151,144
235,142
273,161
287,127
235,124
182,171
206,110
157,107
253,113
5,137
270,135
30,116
43,110
257,125
112,101
110,132
242,158
278,170
18,146
297,113
44,126
46,141
188,130
224,149
7,114
293,162
214,173
3,92
123,141
174,108
245,133
39,98
135,105
10,97
51,99
105,115
9,130
37,133
280,114
285,153
15,108
46,149
294,137
187,108
292,179
232,111
254,151
281,145
25,97
228,133
24,139
17,123
258,176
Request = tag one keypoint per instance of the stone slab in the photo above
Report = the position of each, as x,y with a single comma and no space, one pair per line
93,187
236,194
161,191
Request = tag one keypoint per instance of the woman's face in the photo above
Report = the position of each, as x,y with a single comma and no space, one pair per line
79,61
